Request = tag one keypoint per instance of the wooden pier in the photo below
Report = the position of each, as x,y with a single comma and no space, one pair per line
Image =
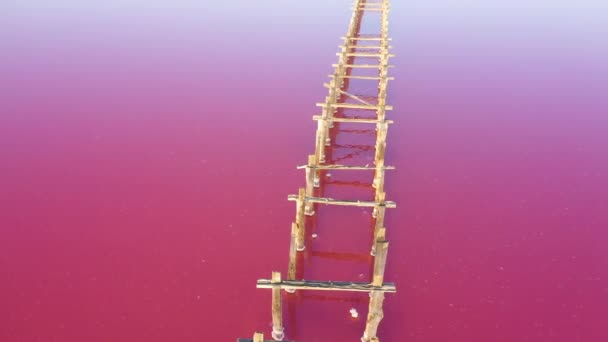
354,48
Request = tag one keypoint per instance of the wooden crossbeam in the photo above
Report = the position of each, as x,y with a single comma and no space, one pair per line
326,286
373,9
366,38
354,97
364,77
352,203
363,66
365,47
352,120
363,54
353,106
342,167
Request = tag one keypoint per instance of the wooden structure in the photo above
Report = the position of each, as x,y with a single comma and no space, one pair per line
355,47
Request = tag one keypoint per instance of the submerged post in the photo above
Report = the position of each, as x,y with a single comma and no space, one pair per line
300,219
277,309
291,273
310,184
374,316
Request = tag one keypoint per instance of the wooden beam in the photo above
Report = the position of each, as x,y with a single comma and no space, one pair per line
364,77
366,38
277,309
352,120
373,9
352,106
362,66
341,167
326,286
363,54
354,97
348,47
353,203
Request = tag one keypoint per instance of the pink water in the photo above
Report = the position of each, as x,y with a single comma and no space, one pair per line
147,149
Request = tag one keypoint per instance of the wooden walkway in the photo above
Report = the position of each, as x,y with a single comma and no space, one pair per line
374,47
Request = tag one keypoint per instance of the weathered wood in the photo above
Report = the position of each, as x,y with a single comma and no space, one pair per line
372,9
277,308
326,286
291,273
351,106
320,147
310,184
380,210
300,218
355,77
380,262
341,167
367,38
363,54
379,235
374,316
348,47
362,66
352,120
355,97
353,203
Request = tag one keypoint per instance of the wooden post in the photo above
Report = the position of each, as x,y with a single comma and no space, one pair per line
310,184
258,337
379,236
379,158
380,262
300,219
380,210
277,309
291,274
374,316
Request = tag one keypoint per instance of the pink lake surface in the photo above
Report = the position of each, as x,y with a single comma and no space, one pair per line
147,150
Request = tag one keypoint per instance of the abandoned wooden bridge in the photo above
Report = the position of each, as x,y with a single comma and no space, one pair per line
356,46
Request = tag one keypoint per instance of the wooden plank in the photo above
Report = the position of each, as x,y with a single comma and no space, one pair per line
378,78
348,47
362,66
353,120
326,286
373,9
363,54
367,38
341,167
277,309
353,203
352,106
